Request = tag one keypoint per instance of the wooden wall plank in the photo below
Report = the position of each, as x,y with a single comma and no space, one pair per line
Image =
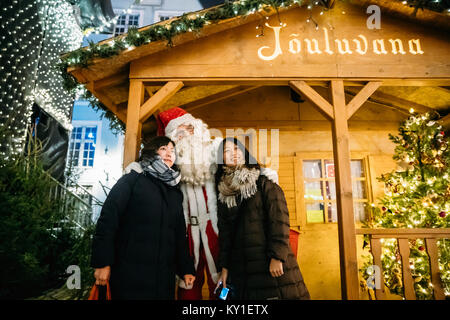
286,177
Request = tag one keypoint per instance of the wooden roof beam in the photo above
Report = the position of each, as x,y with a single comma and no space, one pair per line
314,82
362,96
300,125
393,101
216,97
301,87
398,9
158,99
111,81
121,114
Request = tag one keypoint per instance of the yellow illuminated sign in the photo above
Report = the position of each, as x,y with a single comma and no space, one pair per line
358,45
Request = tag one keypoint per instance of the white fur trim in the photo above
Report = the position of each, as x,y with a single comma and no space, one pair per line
212,203
270,174
194,202
203,218
180,282
185,203
195,230
215,276
133,166
174,123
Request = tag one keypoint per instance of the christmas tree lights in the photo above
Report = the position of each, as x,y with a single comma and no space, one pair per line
416,196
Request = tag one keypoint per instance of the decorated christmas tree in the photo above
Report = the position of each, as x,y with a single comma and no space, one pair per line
416,196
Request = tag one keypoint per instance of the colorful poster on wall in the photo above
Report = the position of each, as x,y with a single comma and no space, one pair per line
329,167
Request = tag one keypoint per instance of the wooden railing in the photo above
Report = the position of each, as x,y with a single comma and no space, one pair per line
403,236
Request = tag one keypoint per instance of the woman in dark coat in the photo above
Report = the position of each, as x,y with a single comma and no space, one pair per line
140,239
253,219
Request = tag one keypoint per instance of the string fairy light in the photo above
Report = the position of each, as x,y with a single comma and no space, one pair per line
36,33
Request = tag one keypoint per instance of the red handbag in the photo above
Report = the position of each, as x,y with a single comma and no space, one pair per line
96,295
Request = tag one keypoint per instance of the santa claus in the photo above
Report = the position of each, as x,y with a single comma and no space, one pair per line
197,160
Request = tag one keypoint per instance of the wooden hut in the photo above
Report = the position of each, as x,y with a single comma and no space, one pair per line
324,85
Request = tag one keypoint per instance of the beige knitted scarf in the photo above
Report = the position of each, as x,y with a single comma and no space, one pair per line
237,181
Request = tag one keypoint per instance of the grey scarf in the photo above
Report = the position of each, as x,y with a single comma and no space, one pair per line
156,167
237,181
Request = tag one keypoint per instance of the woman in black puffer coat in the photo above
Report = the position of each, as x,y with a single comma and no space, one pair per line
253,220
140,239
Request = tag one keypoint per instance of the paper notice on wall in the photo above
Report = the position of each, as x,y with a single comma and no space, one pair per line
314,216
315,194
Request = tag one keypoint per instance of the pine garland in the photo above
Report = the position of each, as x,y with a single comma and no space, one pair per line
189,22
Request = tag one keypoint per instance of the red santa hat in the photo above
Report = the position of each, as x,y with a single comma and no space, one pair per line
170,119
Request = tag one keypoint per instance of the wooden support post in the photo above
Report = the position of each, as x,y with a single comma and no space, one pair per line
338,114
134,126
138,112
344,195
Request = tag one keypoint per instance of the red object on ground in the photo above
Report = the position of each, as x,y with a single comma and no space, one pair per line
293,239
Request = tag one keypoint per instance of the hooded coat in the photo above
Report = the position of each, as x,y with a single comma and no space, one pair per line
141,234
250,235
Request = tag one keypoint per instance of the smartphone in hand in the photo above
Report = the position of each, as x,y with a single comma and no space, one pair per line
224,293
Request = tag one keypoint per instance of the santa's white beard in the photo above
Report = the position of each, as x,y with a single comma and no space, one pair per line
195,157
